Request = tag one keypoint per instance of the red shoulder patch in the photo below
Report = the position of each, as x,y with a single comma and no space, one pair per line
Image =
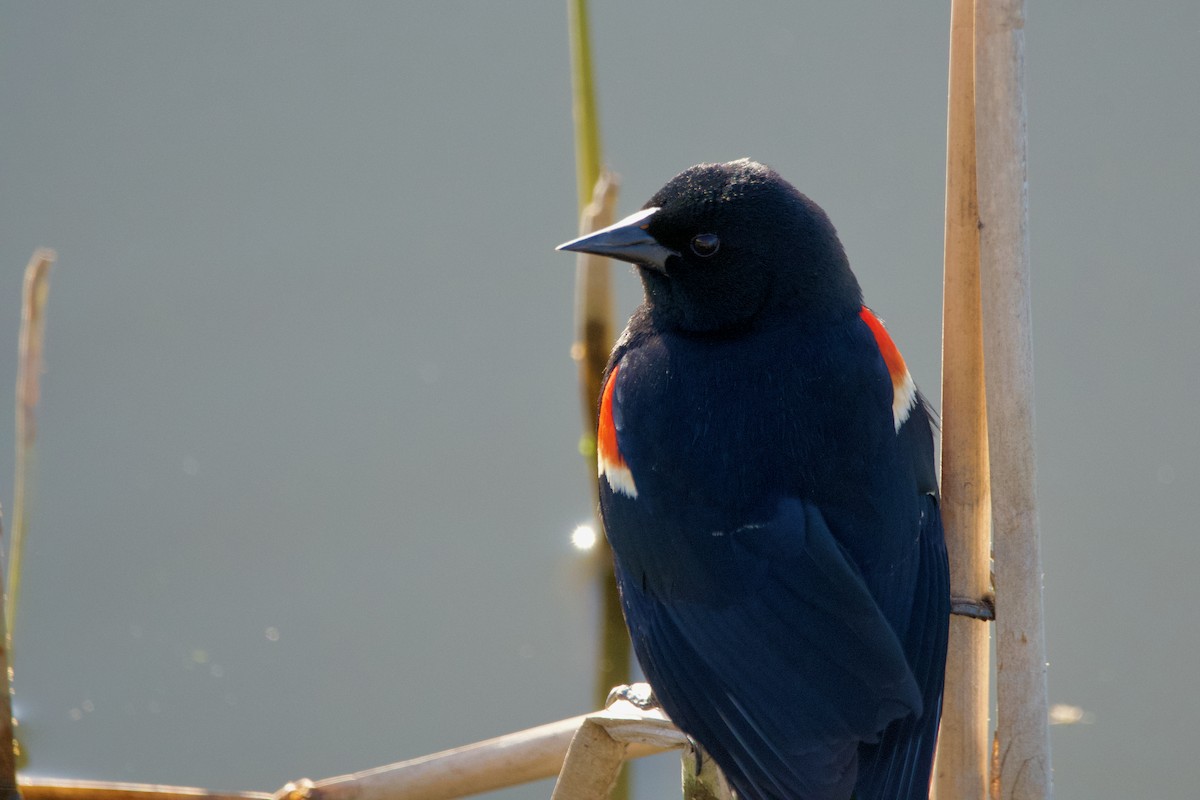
891,355
610,464
904,391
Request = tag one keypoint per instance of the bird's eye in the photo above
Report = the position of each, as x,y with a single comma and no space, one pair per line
705,244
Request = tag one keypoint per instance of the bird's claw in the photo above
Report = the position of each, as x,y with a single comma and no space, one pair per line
636,694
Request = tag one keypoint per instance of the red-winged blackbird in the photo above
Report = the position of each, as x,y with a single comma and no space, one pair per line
768,488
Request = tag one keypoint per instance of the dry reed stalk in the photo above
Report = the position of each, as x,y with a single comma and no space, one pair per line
29,371
509,760
498,763
1022,724
591,766
55,789
593,342
594,324
961,768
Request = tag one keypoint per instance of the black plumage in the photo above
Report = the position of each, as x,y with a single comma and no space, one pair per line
768,489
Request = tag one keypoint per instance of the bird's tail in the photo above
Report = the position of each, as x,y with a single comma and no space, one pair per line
899,766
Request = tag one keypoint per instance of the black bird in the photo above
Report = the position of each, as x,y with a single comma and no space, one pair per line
769,492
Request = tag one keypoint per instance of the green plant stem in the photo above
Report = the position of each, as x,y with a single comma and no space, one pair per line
587,121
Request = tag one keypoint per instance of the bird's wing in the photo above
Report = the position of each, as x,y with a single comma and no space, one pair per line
897,768
796,659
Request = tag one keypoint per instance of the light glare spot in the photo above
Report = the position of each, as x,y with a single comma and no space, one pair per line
1065,714
272,634
583,538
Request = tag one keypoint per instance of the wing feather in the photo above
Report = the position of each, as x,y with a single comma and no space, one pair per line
898,767
824,671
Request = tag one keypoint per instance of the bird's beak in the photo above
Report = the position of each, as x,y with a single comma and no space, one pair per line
628,240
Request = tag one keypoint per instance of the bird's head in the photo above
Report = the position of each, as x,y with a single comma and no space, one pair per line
724,247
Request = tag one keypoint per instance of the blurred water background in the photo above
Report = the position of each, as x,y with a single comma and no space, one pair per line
307,470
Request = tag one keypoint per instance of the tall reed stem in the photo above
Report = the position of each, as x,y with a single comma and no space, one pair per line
1023,767
962,761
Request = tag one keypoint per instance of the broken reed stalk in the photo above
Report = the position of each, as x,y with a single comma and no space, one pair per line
510,760
961,769
594,314
29,370
560,748
1022,723
591,766
594,338
593,342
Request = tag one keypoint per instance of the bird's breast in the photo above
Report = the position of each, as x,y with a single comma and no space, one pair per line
732,425
699,439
